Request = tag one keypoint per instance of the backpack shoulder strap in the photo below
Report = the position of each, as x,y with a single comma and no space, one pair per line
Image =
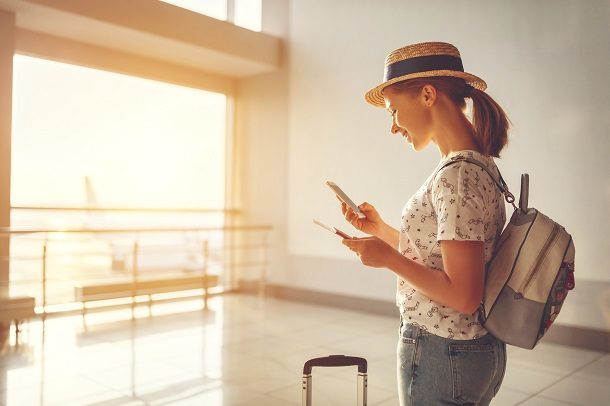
500,183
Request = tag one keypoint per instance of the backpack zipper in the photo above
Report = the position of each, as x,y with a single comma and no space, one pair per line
541,257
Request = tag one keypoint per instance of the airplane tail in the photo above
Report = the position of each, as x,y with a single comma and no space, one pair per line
90,193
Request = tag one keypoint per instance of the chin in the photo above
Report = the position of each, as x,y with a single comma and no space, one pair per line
417,146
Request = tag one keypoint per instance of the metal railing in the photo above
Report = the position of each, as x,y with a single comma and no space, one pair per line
51,263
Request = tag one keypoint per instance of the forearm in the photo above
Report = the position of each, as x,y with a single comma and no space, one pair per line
434,284
389,235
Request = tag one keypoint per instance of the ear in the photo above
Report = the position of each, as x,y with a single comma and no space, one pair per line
428,93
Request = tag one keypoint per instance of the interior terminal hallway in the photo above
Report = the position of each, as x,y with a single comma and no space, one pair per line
250,351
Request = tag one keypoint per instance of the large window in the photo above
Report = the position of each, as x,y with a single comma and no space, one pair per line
87,139
245,13
81,134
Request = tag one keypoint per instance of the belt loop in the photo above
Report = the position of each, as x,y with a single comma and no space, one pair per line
418,331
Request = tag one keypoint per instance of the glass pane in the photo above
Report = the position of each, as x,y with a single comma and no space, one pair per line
248,14
95,139
82,134
212,8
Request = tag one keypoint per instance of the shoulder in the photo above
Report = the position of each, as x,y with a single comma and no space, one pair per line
467,163
455,173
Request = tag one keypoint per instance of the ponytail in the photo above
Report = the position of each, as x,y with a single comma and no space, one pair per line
490,123
489,120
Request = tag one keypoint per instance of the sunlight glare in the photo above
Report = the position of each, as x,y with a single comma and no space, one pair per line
142,143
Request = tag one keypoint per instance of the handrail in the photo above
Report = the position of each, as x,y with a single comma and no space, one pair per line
214,258
147,249
128,209
9,230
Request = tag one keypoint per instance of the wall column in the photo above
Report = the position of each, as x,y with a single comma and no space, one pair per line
7,50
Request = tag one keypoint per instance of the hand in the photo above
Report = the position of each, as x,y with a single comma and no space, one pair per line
371,225
372,251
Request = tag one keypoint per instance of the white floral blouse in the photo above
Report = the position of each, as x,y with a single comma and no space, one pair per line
461,203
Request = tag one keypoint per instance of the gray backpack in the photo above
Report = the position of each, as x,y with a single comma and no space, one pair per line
530,273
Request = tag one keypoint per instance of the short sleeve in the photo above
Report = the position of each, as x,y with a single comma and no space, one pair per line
458,199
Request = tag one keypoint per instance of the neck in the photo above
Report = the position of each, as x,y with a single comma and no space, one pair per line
451,130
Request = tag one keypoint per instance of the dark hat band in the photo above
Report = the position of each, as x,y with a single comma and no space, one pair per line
422,64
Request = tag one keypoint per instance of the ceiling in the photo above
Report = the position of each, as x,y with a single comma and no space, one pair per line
151,29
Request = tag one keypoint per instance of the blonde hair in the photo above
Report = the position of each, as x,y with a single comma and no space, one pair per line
489,120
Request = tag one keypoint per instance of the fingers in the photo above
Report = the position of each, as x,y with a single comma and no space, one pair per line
348,243
348,213
352,218
351,243
346,210
365,206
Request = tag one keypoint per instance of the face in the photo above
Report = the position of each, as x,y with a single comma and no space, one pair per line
410,115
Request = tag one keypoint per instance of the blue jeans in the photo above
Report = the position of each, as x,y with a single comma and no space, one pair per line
433,370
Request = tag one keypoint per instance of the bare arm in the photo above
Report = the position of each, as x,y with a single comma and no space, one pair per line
460,286
389,234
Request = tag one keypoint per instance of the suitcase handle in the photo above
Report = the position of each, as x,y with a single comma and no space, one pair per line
335,361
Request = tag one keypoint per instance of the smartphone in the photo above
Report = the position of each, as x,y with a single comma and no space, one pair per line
333,230
341,195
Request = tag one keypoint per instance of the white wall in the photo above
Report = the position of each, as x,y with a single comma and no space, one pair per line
262,144
545,62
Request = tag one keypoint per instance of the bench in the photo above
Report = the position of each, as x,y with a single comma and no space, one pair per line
124,289
16,309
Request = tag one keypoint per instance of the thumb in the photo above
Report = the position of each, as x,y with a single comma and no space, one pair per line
366,207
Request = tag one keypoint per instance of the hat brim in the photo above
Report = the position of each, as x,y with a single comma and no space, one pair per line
375,95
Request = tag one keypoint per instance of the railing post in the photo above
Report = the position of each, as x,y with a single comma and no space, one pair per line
262,284
231,11
44,278
134,279
229,242
206,252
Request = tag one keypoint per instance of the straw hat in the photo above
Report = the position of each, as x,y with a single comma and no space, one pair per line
423,60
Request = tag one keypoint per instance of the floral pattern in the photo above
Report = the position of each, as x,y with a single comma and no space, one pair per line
462,203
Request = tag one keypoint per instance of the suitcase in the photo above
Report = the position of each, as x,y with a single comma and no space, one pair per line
335,361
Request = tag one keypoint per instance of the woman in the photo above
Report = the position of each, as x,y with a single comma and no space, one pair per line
448,230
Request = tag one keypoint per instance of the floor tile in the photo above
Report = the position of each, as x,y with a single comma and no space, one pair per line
382,374
552,357
250,351
508,397
385,345
598,371
333,390
265,400
540,401
528,380
579,391
388,402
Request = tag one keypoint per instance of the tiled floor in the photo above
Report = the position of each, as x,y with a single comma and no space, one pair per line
249,351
